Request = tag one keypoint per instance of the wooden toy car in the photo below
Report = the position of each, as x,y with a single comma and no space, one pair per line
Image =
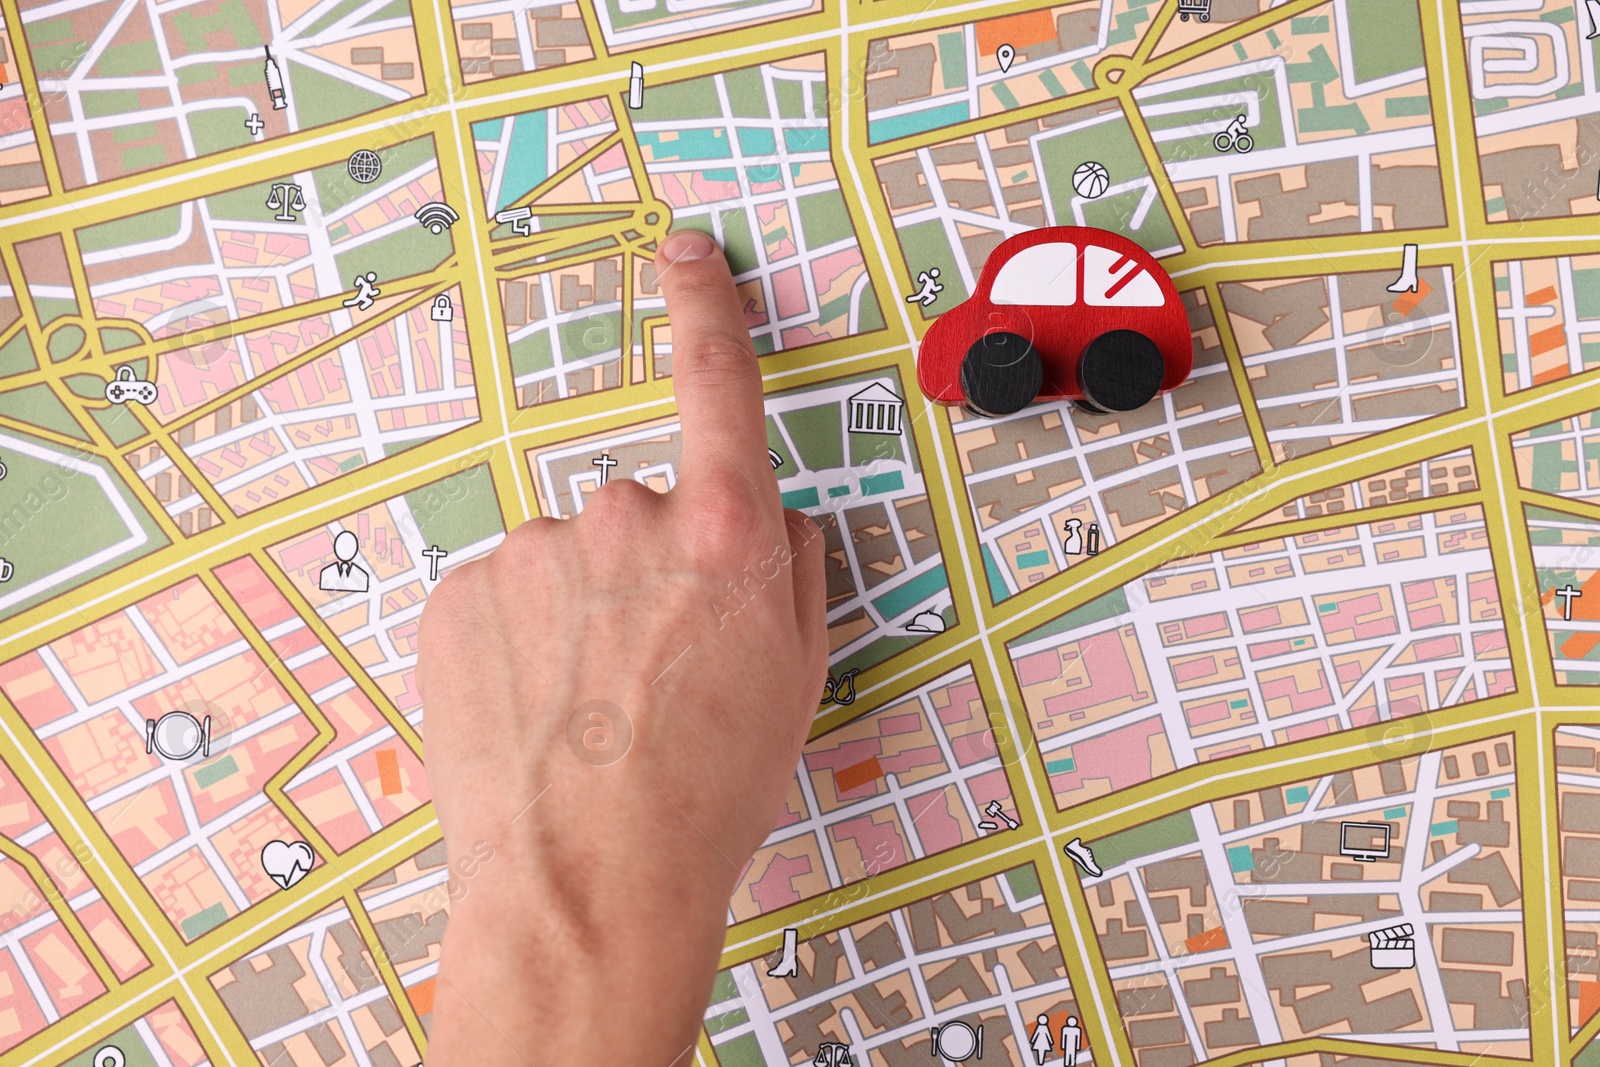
1063,312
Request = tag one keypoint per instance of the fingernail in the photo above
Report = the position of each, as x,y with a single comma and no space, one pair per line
682,245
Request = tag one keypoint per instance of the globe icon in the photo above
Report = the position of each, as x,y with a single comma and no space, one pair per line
1090,180
365,166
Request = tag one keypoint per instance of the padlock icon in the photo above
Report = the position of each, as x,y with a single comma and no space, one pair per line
443,310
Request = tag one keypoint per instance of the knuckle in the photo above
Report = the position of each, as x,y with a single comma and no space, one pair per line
527,536
525,544
619,504
717,357
726,526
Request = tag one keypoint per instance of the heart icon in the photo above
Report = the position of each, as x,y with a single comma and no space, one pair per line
287,863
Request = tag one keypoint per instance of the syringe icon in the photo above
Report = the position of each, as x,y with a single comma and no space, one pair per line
275,84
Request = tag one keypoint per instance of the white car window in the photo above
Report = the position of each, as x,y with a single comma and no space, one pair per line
1111,279
1039,274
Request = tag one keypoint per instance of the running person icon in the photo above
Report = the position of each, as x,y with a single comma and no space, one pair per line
931,288
366,291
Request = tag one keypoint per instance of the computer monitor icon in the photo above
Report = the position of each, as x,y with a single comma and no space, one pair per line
1365,842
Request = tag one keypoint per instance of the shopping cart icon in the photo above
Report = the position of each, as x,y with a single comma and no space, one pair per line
1201,8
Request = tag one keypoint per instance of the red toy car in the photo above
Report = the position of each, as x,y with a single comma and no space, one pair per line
1064,312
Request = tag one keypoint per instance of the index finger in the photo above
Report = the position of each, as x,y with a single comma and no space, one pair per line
714,370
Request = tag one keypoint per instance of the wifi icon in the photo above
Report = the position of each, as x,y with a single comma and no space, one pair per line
437,217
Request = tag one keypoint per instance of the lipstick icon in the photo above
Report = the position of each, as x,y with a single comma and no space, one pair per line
636,86
275,83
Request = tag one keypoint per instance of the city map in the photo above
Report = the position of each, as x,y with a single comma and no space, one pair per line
1254,727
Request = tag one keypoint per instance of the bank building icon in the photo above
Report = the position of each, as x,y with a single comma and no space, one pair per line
876,409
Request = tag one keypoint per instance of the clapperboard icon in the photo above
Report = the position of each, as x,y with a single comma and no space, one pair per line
1394,948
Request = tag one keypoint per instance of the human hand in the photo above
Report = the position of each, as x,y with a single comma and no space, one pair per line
597,925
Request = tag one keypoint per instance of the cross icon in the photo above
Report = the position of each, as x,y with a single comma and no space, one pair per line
254,123
1566,594
434,554
605,463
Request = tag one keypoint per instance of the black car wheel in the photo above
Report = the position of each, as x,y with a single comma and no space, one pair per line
1120,370
1001,374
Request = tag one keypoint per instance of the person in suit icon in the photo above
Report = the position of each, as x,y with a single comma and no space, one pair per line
344,575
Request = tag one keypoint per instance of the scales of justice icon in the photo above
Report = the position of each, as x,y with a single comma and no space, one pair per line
286,198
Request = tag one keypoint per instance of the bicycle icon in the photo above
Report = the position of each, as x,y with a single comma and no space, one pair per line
1235,138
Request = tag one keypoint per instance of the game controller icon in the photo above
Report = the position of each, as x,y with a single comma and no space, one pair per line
125,387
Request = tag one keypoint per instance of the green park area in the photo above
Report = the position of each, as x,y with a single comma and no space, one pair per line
58,515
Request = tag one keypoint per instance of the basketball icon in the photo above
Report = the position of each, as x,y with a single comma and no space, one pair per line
1090,180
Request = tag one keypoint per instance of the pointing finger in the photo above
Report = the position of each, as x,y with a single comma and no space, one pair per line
714,370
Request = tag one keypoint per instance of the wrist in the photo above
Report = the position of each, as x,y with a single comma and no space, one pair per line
506,997
557,874
538,956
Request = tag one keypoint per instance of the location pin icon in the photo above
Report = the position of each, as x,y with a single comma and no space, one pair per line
1005,55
